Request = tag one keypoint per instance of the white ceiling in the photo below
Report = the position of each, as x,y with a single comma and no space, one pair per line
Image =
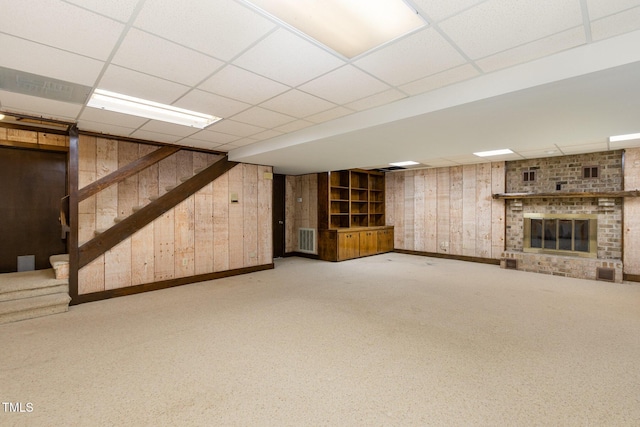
542,77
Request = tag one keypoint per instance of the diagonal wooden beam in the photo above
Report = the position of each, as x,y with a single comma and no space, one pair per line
126,171
136,221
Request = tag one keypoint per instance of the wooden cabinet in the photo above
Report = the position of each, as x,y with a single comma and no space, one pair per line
351,220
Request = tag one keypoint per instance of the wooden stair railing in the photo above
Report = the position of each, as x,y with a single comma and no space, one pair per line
145,215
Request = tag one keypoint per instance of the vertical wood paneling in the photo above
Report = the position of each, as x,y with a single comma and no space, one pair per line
117,266
221,223
148,178
184,165
419,220
631,213
163,240
107,199
127,189
398,232
443,209
389,199
236,222
91,277
291,237
409,197
204,230
313,201
455,206
483,210
142,256
166,174
431,210
497,210
265,223
303,193
469,224
184,235
87,154
250,214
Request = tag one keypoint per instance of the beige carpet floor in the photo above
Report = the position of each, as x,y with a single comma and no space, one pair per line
390,340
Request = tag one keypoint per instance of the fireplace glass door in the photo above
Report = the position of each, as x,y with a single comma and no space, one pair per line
567,234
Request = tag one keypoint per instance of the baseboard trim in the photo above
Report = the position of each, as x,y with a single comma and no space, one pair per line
449,256
148,287
302,255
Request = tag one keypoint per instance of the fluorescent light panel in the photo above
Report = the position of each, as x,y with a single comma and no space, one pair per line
493,153
349,27
406,163
111,101
627,137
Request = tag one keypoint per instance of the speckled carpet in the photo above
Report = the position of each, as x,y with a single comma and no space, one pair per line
390,340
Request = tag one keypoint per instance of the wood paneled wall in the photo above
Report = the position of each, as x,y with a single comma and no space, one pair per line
303,213
206,233
448,210
631,213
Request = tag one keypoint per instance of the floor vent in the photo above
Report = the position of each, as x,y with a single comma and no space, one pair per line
511,264
307,240
605,274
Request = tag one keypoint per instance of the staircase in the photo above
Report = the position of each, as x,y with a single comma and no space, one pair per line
30,294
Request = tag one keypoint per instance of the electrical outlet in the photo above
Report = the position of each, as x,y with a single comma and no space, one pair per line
184,262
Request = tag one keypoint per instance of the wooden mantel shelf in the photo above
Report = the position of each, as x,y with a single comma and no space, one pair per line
559,195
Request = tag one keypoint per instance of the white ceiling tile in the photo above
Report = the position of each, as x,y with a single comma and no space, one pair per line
421,54
196,143
48,61
108,117
584,148
288,58
18,103
132,83
264,118
267,134
438,10
240,143
236,83
106,128
438,163
344,85
614,25
116,9
442,79
294,126
169,128
208,103
376,100
549,151
297,104
534,50
325,116
149,54
232,127
214,137
62,25
601,8
498,25
155,136
209,26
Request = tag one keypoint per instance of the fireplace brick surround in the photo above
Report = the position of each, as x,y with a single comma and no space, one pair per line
565,174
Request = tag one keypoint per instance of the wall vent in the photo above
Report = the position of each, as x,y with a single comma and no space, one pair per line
605,274
307,240
511,264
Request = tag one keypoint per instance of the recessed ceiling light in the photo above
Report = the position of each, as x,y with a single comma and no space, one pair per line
111,101
626,137
493,153
349,27
406,163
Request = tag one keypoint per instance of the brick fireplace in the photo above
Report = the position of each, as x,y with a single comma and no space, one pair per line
573,235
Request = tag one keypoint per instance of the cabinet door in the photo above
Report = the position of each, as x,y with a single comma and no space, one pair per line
385,240
348,246
368,243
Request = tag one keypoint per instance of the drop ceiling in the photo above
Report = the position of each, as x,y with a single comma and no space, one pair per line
541,77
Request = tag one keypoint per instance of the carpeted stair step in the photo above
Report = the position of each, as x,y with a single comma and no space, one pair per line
60,264
29,308
27,284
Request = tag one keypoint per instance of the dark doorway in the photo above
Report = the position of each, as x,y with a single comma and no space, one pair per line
32,182
279,185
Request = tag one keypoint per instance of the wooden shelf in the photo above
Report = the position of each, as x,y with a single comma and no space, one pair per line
560,195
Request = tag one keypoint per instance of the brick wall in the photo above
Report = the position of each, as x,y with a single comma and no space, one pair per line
567,171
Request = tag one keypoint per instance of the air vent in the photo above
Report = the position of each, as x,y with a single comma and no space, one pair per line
307,240
605,274
43,87
511,264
